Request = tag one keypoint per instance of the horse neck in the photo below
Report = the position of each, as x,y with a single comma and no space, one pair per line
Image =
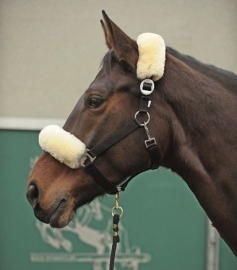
203,121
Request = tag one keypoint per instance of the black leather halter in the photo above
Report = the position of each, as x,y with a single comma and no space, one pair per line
147,87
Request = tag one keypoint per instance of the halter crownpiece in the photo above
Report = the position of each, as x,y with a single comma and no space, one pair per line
151,61
63,146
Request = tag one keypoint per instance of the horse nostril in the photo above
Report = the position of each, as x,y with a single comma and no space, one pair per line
32,194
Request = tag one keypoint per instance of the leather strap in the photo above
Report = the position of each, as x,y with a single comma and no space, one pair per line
155,155
101,179
114,138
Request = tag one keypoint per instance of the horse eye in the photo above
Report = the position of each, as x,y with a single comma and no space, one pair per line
94,102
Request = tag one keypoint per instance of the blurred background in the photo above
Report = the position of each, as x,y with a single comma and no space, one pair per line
50,51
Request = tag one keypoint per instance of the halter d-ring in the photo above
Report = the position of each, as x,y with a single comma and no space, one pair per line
143,113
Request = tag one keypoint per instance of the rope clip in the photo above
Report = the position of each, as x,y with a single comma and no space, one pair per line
117,209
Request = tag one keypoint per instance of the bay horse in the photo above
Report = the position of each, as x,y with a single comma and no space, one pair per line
188,123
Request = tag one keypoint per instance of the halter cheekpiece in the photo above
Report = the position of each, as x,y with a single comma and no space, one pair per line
69,150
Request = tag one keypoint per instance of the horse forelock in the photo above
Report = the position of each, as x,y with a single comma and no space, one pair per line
108,61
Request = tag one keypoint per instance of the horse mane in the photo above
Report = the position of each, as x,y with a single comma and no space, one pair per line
226,78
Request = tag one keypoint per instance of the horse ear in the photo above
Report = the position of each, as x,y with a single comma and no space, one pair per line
125,48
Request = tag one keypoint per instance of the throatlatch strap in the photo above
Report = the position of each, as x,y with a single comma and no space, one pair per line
151,145
154,154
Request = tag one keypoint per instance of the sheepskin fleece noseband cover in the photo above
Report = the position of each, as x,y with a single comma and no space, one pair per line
63,146
68,149
151,61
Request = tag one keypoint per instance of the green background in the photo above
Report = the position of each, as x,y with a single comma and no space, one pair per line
162,217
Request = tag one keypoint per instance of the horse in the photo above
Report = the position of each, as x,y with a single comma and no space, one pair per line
148,106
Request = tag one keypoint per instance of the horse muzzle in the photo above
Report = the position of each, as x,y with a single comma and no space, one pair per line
58,215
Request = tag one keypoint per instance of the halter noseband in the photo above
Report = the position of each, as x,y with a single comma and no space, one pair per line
147,87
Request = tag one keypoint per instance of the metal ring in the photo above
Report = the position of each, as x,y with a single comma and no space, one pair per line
119,209
145,122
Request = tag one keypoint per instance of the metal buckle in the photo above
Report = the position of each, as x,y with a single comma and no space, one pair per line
150,142
147,86
86,156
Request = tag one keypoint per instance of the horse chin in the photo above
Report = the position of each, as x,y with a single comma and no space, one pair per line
62,216
60,221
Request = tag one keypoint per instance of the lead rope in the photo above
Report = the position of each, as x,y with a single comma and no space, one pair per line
117,212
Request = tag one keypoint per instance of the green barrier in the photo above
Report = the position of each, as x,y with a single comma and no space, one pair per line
163,226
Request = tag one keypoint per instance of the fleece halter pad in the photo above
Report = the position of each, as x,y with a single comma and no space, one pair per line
63,146
151,61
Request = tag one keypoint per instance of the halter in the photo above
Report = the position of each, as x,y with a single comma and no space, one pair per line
146,87
69,150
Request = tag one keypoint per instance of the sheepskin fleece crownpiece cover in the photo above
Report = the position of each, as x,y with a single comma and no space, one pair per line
63,146
151,61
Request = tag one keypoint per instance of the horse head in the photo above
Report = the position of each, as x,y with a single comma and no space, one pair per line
56,187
